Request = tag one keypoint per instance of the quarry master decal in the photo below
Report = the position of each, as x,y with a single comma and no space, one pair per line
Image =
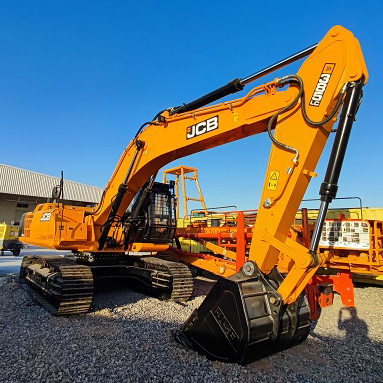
322,84
202,127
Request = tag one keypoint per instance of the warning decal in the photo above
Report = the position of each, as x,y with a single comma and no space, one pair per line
346,234
273,180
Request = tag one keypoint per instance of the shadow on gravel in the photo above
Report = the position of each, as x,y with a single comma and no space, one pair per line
132,342
111,293
352,325
203,282
349,322
330,359
364,285
202,285
355,357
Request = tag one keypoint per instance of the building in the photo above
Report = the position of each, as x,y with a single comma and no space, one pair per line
22,190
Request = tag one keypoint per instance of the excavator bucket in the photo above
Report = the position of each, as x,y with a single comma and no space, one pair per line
243,319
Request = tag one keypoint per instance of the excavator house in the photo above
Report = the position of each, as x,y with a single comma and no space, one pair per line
131,233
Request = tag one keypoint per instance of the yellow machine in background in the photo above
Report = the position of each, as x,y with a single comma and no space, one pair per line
9,239
375,213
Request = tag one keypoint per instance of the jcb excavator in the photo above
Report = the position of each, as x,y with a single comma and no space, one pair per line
256,311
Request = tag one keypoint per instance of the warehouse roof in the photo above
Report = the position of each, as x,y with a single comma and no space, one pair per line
25,182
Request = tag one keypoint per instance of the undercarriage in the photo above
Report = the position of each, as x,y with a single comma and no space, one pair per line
65,286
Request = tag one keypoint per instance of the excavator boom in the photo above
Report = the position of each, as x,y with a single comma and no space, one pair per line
256,311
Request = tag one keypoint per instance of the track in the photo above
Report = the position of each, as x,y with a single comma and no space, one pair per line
64,287
60,285
172,277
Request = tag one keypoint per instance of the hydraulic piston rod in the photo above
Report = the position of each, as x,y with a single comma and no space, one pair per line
237,85
280,64
118,199
329,186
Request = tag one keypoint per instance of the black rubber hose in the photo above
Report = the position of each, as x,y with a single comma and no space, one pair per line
283,110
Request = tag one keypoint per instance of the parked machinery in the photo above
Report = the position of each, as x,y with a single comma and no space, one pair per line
9,239
255,311
355,242
353,253
355,245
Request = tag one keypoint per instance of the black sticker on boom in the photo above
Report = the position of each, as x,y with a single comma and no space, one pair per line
321,86
202,127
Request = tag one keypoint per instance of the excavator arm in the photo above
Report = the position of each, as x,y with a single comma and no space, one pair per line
301,118
298,113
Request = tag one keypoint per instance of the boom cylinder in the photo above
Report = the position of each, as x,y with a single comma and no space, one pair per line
117,200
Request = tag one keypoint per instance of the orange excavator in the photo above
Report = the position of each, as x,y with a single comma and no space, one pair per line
256,311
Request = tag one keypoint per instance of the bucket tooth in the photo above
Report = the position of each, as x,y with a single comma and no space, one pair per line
243,319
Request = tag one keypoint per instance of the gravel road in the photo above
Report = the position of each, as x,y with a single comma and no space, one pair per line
128,338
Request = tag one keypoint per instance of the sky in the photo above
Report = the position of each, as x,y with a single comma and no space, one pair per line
79,77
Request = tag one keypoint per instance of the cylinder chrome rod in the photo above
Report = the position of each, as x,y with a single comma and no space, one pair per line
280,64
319,226
237,84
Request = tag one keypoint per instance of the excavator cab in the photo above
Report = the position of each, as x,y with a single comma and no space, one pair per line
152,215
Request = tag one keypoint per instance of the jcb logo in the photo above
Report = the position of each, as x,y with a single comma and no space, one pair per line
225,326
322,84
202,127
45,217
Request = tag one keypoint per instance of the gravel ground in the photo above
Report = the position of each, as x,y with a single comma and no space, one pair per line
128,338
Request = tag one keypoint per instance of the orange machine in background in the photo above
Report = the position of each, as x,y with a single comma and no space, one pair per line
353,247
229,234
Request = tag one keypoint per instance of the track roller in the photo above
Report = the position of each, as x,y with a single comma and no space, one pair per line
243,319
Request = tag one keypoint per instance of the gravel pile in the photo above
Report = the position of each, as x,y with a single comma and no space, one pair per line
128,338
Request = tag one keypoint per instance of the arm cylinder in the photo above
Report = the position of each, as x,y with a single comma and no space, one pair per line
280,64
231,87
238,84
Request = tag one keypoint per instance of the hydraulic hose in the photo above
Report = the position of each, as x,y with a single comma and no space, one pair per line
272,120
301,95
